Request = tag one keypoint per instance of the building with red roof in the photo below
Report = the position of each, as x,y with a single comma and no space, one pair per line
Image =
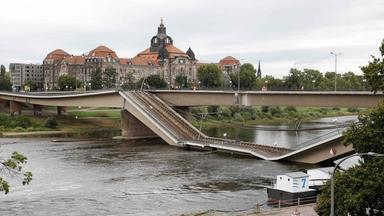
162,57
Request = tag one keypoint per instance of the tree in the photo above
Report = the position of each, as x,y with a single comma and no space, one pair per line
360,188
128,82
13,165
374,71
66,82
96,79
210,75
181,81
32,85
155,81
270,83
109,77
247,77
294,80
5,82
2,70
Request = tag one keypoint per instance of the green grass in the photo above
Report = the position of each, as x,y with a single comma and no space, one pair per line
111,113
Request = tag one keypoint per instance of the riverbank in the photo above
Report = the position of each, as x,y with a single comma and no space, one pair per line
250,116
67,126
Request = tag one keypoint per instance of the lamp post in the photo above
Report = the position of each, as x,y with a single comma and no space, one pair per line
333,173
335,54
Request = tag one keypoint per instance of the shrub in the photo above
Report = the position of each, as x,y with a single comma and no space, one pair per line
19,129
225,111
246,115
290,109
275,111
199,112
20,121
324,110
264,109
336,108
238,117
51,123
353,109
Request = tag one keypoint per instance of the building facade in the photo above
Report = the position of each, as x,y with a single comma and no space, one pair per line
23,74
161,58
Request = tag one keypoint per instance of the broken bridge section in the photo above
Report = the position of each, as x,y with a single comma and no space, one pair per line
175,130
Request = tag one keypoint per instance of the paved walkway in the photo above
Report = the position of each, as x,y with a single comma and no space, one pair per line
304,210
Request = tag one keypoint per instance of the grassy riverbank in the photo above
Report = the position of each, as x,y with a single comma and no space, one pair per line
215,116
75,123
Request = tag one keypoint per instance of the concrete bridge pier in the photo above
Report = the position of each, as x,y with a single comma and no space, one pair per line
3,105
37,110
185,112
61,110
14,108
132,128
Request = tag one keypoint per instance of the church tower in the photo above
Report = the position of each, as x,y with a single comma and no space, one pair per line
258,75
160,40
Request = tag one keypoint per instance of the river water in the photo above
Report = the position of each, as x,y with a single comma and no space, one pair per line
107,177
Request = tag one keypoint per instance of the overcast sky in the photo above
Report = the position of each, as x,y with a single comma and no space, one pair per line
281,34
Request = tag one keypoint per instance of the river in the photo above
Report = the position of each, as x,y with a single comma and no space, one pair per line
109,177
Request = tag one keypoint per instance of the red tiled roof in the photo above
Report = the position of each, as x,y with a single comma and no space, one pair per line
146,56
145,59
74,59
229,60
102,51
174,50
57,54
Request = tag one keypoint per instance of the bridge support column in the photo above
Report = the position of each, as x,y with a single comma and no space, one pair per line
185,112
37,110
61,110
3,105
132,128
14,108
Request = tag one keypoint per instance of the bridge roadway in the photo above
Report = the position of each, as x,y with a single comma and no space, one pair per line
152,109
111,98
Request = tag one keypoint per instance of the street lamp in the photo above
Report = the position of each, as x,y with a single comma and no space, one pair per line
333,173
335,54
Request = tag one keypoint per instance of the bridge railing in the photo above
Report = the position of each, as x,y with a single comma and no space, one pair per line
333,133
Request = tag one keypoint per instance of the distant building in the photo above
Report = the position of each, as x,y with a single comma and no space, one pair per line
161,58
229,65
20,74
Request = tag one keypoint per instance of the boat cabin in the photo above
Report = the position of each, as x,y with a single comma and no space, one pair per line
293,182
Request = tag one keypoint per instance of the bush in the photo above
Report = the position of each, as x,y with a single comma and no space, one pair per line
51,123
336,108
324,110
199,112
290,109
238,117
225,111
264,109
275,111
19,129
353,109
246,115
20,121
